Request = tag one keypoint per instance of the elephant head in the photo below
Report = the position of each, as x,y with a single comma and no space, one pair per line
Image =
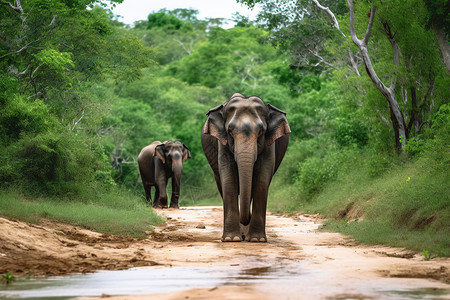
173,155
246,126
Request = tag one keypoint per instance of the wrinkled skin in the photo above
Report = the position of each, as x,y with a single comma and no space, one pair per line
245,141
157,163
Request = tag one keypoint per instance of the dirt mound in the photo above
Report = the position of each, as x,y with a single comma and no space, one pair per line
56,249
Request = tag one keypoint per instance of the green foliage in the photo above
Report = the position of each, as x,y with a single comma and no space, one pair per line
163,19
20,115
426,255
54,61
316,171
405,205
8,278
350,132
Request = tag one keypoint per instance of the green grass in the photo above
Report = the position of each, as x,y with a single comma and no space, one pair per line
408,205
114,213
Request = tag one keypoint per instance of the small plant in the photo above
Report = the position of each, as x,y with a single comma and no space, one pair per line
426,254
8,277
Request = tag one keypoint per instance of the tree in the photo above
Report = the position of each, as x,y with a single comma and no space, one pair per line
440,22
53,55
412,75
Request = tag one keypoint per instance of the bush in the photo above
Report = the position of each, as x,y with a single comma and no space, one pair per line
20,116
40,154
316,171
350,133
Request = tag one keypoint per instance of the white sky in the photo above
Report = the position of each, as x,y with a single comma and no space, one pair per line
137,10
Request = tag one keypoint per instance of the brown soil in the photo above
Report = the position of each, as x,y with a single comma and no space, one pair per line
191,238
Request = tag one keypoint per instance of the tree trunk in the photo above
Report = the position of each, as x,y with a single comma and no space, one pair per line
443,45
396,115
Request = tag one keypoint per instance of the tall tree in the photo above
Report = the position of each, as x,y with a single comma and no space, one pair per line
412,76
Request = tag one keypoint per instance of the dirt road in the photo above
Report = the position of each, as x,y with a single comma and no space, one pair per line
298,262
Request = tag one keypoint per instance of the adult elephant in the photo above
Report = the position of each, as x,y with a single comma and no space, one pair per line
244,141
157,163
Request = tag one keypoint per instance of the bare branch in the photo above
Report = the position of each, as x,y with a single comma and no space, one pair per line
330,13
21,49
395,49
404,94
369,25
385,121
188,50
352,24
17,8
75,122
15,71
321,60
353,62
34,71
52,22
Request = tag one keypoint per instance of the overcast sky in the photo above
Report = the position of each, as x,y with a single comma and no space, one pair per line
136,10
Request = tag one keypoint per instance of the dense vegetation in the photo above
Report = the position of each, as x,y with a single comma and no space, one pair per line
81,94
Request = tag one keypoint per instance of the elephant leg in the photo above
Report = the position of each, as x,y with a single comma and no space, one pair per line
148,194
257,227
262,176
176,180
161,184
174,198
163,194
157,194
229,183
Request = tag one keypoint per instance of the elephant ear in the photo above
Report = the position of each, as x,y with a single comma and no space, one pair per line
186,153
215,124
277,126
159,151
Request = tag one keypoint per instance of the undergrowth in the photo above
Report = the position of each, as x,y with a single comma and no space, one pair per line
114,212
397,200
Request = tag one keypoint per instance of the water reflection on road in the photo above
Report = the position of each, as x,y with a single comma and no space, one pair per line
285,276
137,281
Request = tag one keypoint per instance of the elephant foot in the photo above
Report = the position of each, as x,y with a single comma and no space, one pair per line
233,237
174,205
256,238
159,205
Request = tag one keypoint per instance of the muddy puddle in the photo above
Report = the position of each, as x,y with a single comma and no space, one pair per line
158,280
138,281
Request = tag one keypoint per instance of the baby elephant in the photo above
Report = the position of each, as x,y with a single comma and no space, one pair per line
157,163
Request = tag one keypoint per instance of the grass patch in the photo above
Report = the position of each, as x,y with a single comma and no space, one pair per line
407,207
112,213
405,204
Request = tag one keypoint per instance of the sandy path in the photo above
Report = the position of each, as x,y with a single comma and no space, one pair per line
308,264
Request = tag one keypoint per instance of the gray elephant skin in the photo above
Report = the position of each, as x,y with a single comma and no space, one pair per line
157,163
244,141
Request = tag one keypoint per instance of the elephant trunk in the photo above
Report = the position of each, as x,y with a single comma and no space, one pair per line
245,158
177,168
